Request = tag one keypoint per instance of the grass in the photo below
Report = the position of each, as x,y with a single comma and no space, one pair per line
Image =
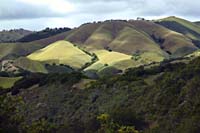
7,82
30,65
189,29
100,38
106,57
130,40
122,61
61,52
172,40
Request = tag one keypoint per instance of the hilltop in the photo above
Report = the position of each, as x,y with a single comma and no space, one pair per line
13,35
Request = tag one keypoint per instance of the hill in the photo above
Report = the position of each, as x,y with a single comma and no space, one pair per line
8,82
125,36
185,27
13,35
42,34
170,41
15,50
197,23
30,65
62,52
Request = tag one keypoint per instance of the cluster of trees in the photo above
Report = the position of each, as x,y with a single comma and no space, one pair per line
163,99
43,34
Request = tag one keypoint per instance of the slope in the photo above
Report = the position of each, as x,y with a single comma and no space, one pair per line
8,82
170,41
14,50
30,65
61,52
185,27
43,34
198,22
13,35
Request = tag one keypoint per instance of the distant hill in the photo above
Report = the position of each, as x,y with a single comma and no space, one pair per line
129,37
42,34
13,35
14,50
117,44
184,27
197,22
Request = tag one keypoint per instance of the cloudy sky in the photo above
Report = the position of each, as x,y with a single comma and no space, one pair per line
38,14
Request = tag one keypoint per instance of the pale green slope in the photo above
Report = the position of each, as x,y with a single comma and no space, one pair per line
62,52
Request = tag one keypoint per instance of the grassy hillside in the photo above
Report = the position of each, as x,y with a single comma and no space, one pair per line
107,58
170,41
14,50
130,41
7,82
62,52
13,35
185,27
126,36
30,65
81,34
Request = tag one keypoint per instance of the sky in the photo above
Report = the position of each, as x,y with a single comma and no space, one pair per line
39,14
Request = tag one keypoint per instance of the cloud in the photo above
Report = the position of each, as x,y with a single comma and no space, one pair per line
75,12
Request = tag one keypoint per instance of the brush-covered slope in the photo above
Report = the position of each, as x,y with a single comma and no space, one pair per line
185,27
170,41
161,99
13,35
62,52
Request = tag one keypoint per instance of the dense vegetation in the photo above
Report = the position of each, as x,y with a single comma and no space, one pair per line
163,99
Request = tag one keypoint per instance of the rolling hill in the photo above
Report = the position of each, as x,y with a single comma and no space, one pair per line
140,41
172,42
130,36
42,34
182,26
13,35
61,52
197,23
116,76
15,50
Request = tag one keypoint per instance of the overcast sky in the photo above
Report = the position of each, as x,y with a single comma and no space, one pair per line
38,14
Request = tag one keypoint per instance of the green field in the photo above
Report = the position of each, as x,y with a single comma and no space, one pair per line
7,82
61,52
